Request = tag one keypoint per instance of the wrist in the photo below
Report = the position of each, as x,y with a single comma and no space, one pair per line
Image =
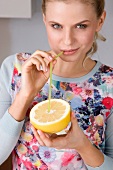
91,154
20,106
27,96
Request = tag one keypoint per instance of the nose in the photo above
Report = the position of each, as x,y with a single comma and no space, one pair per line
68,37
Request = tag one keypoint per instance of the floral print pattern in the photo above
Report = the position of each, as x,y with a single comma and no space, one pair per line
91,101
47,154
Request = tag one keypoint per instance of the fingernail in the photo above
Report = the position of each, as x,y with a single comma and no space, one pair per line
46,70
73,114
50,57
41,67
38,131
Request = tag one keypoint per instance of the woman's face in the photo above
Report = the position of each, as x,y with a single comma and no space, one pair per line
71,28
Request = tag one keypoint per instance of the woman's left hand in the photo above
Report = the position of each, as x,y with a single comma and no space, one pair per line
74,139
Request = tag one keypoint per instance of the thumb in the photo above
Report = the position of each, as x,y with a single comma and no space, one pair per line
50,68
53,63
73,119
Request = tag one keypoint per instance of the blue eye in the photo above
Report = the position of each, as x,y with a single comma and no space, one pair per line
56,26
81,26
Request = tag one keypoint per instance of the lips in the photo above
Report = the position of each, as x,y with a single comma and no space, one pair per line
70,51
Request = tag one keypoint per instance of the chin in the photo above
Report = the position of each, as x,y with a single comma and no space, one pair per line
69,59
72,56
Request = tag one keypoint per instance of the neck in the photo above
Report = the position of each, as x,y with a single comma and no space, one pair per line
73,69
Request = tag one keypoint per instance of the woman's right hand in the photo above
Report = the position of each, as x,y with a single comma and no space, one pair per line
35,72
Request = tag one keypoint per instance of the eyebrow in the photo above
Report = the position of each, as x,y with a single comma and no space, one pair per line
74,24
82,22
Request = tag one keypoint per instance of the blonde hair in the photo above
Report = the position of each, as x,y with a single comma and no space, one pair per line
98,5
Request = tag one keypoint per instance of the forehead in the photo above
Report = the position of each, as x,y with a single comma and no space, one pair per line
69,10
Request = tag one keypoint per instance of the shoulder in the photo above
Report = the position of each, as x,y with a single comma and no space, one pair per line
105,68
10,61
13,58
7,65
6,71
21,57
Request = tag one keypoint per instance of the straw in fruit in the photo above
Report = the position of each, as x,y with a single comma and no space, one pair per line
49,104
51,122
52,115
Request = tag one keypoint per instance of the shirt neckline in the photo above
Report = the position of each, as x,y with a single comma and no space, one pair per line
79,79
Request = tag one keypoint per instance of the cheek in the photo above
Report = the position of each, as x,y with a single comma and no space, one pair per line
53,38
88,38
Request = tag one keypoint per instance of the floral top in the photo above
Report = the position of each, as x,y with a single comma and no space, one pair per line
91,99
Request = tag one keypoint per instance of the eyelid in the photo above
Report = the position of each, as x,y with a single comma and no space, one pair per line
82,25
56,24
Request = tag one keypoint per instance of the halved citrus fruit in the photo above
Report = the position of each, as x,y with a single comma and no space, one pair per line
51,122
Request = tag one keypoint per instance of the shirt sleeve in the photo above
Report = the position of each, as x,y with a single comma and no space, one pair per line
108,152
9,128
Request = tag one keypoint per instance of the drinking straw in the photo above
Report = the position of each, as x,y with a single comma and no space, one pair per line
50,85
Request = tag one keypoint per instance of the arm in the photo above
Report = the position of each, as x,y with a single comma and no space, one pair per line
13,114
9,133
9,128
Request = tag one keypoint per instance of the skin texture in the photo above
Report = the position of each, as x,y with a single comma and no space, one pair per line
73,33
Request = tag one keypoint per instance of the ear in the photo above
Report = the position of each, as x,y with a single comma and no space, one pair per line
101,21
44,19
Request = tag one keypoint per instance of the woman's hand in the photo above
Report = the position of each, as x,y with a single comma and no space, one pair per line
74,139
35,72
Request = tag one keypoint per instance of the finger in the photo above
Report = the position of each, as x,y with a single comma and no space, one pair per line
74,123
43,63
47,74
59,142
54,140
37,136
44,54
38,62
45,139
53,64
32,62
73,118
47,135
48,62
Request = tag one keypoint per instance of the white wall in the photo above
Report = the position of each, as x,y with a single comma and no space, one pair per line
27,35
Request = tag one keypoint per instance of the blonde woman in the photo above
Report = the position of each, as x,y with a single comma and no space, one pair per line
72,27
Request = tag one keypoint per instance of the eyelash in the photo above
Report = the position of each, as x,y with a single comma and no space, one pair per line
56,26
80,26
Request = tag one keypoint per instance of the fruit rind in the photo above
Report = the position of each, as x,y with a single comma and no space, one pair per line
51,127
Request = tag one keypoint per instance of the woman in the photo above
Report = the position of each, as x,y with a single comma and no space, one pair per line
72,27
